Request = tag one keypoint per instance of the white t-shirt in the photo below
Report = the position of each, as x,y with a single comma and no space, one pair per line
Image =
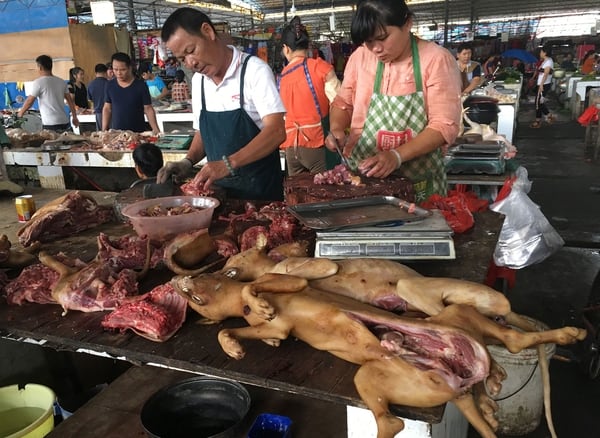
50,91
261,97
548,62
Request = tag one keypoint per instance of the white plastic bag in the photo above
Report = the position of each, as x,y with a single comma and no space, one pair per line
526,236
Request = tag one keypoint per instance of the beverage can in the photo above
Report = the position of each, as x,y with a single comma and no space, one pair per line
25,206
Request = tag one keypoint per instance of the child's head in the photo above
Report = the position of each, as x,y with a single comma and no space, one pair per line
179,76
148,160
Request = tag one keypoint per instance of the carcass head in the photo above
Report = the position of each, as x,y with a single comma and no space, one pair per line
213,296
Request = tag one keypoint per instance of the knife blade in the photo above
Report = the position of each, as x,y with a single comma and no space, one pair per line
340,153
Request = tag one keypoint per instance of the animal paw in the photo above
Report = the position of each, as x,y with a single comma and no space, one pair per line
272,342
230,345
262,308
570,335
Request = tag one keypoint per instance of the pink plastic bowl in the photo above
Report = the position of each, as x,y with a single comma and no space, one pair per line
166,227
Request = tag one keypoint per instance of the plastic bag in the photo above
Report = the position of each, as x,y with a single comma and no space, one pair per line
526,236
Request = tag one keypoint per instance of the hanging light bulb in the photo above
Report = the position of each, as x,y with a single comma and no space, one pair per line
293,8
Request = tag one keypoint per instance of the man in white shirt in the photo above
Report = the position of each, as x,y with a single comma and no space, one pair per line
51,92
238,112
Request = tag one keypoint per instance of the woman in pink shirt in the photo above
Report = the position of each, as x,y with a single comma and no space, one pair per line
399,102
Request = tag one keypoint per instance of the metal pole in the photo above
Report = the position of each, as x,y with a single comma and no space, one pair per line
132,23
446,17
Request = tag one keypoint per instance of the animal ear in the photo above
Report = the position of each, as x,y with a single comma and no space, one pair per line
261,242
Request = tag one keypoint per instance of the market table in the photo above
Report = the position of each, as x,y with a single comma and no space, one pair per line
162,117
294,367
50,163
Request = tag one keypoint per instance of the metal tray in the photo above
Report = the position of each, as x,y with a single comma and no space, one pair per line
357,212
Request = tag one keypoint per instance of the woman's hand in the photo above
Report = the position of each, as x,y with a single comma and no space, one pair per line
380,165
333,138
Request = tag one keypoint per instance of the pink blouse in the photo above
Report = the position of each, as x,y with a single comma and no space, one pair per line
441,86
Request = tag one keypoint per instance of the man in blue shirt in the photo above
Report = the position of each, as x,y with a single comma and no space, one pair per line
96,90
157,87
127,99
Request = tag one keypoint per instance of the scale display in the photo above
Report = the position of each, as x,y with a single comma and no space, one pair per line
413,249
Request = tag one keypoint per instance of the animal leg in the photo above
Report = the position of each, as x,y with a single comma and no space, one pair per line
53,263
258,305
486,405
431,295
306,267
468,318
269,332
369,385
466,405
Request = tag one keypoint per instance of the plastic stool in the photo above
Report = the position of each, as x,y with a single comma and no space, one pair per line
508,275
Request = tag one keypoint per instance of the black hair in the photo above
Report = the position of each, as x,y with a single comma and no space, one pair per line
73,72
188,19
548,50
100,68
109,65
121,57
148,157
179,76
294,35
45,62
464,46
372,16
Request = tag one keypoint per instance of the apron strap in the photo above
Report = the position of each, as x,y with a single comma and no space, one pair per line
416,68
242,81
312,88
241,85
416,63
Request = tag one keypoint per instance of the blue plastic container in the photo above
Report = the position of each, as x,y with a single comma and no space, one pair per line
270,426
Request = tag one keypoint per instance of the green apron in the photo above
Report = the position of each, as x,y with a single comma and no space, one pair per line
226,132
394,120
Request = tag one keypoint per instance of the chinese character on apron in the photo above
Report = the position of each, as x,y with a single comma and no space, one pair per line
392,121
226,132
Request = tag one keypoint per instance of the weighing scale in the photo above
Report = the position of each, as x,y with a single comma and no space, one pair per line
427,239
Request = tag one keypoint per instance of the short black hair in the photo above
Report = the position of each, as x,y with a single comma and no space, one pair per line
121,57
464,46
188,19
45,62
100,68
372,16
148,157
180,75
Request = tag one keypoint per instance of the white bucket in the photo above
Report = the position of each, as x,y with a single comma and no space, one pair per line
521,400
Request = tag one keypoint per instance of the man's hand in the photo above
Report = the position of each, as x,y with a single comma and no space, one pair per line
177,168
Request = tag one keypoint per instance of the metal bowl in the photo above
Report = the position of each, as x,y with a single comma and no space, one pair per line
196,407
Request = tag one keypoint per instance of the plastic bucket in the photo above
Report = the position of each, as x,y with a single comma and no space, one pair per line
521,400
27,412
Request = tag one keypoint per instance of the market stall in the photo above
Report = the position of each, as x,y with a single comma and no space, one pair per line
293,367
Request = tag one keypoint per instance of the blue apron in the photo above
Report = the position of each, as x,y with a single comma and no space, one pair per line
226,132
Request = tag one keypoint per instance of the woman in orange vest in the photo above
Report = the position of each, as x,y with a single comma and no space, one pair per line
306,86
